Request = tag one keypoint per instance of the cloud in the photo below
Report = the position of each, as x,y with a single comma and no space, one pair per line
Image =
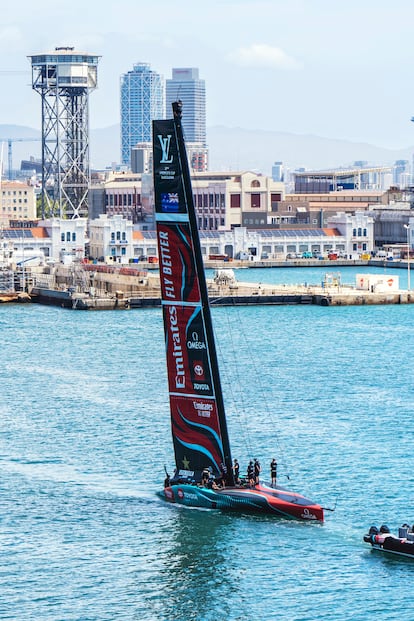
264,56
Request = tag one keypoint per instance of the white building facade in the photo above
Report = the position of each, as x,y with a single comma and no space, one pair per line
111,239
358,231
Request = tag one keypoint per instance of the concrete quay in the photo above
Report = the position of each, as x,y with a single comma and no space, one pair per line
342,295
81,289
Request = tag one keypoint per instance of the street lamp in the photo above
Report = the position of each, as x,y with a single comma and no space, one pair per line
407,227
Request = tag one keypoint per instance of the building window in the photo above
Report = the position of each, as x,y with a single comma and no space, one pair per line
235,200
255,201
123,236
112,236
68,236
62,237
364,233
73,237
255,184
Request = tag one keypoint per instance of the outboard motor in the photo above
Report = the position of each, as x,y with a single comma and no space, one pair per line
370,538
384,529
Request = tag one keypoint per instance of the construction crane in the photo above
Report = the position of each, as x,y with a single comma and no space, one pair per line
10,151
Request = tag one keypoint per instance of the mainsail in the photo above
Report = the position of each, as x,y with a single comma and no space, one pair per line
198,420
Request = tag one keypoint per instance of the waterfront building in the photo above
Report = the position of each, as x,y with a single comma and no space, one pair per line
55,240
18,202
315,209
111,239
142,100
223,200
357,229
187,86
253,245
117,240
127,194
357,178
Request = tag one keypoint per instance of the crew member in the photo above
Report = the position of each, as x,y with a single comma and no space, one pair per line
205,476
257,469
273,471
250,474
236,472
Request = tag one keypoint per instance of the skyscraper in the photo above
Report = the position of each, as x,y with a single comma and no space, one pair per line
142,100
186,86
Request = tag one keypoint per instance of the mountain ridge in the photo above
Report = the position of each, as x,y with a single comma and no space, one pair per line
230,148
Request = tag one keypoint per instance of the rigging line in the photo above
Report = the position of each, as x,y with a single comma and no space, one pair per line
238,399
264,401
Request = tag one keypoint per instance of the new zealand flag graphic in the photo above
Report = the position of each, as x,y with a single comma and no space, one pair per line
169,202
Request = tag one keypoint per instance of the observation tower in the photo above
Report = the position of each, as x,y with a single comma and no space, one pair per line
64,78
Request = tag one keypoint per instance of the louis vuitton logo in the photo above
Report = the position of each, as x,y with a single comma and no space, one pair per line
165,147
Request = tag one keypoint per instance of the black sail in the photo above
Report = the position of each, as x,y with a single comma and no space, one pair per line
198,420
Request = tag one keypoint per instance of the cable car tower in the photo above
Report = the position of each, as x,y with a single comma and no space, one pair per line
64,79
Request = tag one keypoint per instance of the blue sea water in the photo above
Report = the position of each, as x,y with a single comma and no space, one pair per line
84,436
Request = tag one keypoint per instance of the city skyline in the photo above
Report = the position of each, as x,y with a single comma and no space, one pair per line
337,71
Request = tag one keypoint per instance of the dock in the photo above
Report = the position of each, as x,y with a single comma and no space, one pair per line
97,288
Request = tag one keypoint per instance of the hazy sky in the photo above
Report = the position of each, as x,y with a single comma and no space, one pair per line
334,69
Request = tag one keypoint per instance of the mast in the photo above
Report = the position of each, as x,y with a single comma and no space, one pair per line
198,418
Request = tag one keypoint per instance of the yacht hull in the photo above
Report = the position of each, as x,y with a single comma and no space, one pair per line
262,498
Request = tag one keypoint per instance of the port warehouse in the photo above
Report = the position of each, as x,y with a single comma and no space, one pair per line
115,239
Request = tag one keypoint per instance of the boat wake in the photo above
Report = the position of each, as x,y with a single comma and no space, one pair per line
96,483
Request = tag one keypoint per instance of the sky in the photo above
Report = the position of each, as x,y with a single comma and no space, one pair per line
333,69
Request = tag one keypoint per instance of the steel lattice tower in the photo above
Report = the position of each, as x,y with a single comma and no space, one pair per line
63,79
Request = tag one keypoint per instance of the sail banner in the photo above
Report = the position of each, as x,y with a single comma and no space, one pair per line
196,433
178,274
168,184
187,354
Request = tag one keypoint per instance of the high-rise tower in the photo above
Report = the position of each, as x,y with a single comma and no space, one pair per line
64,79
187,86
142,100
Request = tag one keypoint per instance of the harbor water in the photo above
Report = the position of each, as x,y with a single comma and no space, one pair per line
85,435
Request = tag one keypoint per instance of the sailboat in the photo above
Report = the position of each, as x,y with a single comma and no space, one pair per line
198,420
